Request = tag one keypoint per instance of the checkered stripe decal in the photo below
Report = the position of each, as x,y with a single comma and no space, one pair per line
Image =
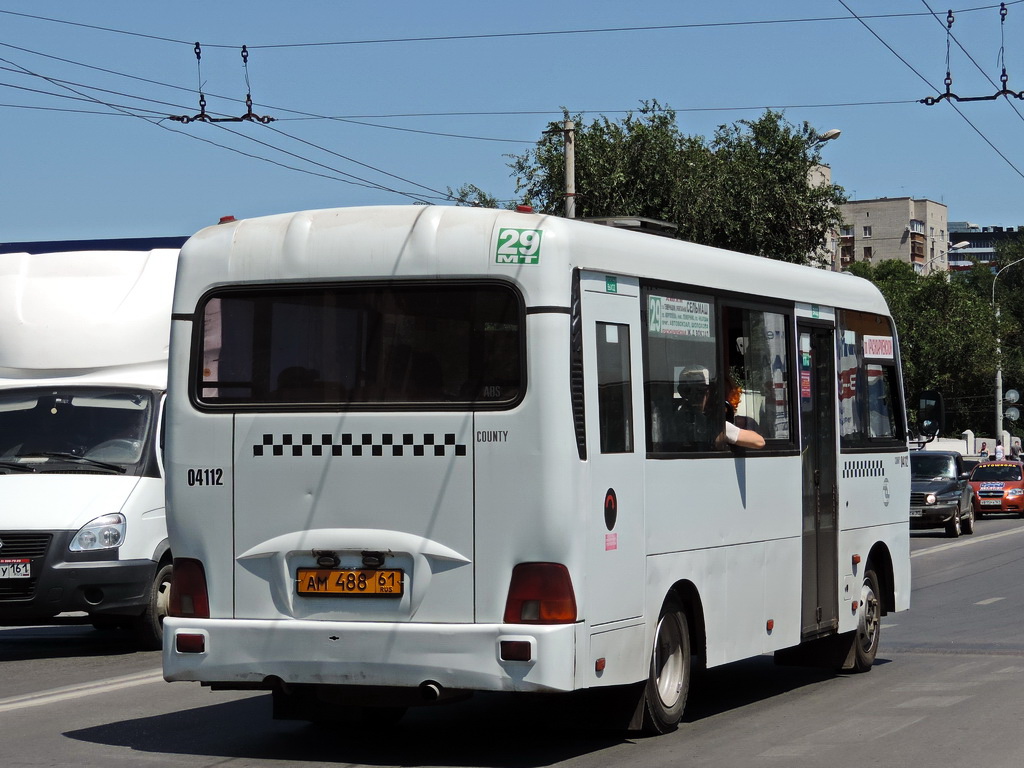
863,468
359,445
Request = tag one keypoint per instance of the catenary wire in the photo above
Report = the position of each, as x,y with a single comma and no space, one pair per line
923,78
972,60
494,35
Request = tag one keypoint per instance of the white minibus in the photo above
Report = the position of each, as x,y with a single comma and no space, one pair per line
83,372
416,452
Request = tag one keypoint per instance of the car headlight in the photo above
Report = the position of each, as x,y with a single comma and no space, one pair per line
930,498
1015,492
106,532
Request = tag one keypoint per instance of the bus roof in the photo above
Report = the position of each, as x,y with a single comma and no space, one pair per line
388,242
91,316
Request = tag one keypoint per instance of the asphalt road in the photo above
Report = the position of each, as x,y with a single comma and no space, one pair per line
946,691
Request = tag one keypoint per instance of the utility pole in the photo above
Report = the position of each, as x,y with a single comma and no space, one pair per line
569,132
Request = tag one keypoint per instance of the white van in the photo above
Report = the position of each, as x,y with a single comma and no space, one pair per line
83,372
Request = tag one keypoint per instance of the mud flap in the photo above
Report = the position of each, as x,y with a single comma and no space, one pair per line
835,652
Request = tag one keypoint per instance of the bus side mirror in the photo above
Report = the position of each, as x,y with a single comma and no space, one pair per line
931,413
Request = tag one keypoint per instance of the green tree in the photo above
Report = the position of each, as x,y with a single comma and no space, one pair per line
472,195
748,189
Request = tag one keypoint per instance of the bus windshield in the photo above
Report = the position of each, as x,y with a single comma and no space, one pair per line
413,345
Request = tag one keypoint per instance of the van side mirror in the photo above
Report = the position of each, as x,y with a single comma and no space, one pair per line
931,413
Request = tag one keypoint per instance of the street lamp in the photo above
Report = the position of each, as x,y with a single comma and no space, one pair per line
832,133
999,355
952,248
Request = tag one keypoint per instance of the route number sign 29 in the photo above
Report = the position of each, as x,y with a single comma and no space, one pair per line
518,246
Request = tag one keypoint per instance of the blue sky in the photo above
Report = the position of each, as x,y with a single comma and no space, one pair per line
368,116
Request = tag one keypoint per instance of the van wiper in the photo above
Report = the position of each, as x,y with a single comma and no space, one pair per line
16,465
76,458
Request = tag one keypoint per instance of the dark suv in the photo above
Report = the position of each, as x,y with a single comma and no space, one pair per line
940,496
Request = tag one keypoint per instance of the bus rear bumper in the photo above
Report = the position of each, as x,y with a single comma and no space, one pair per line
262,654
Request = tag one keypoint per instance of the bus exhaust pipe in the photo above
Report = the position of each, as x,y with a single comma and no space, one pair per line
430,691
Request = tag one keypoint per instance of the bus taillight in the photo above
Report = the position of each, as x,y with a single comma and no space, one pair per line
540,593
189,598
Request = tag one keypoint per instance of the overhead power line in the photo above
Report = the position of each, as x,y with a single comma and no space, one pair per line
498,35
929,84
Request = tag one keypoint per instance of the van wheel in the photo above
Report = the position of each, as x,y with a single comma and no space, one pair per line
869,623
669,679
149,629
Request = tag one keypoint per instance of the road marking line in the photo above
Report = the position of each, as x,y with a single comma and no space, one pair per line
56,695
990,601
933,701
965,541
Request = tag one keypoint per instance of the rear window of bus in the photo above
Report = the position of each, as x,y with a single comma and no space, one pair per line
416,345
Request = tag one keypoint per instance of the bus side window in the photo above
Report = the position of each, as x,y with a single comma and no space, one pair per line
870,408
756,363
682,381
614,388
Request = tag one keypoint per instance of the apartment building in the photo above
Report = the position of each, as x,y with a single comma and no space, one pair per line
912,230
981,242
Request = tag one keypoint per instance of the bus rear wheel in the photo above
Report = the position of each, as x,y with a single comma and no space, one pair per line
669,679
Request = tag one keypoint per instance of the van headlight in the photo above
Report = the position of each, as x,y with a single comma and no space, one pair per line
106,532
930,498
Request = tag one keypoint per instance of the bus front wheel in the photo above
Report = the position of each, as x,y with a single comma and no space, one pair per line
669,679
869,622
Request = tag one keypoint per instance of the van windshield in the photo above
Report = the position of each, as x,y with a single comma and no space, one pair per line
413,345
90,429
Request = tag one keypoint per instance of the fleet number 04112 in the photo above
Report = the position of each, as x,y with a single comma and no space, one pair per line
204,476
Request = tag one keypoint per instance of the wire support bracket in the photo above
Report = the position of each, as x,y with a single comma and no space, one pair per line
205,117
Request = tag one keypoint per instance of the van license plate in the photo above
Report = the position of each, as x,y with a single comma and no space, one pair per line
350,583
15,569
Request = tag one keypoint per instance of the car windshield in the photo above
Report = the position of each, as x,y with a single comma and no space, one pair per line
1004,472
924,466
89,428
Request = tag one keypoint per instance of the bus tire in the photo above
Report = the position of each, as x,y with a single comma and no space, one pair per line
669,679
869,623
149,626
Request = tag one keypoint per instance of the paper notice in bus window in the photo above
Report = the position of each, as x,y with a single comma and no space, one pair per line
878,347
667,316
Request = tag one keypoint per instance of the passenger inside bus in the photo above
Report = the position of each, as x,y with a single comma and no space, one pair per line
695,411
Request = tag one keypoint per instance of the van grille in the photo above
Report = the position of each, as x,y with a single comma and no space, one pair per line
24,544
21,545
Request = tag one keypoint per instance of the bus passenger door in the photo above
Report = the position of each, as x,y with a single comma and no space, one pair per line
613,377
820,609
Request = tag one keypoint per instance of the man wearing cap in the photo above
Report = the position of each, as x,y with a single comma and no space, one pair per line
695,415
